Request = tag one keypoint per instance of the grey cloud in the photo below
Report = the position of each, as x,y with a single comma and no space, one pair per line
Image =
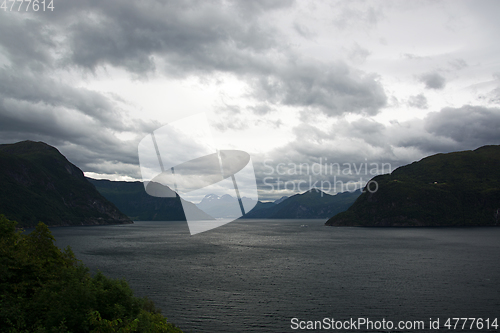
195,35
27,43
458,64
368,131
493,96
367,127
336,89
37,107
418,101
230,117
450,129
31,121
469,126
215,40
303,30
349,16
262,109
345,144
433,80
393,101
170,38
208,39
357,54
198,38
35,88
410,138
259,6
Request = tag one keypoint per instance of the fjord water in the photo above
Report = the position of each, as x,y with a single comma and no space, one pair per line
255,276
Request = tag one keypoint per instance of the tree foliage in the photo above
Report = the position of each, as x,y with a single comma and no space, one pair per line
44,289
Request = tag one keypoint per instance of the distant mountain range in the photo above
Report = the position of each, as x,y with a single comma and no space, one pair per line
224,206
313,204
454,189
40,184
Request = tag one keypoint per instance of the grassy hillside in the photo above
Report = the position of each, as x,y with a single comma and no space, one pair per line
455,189
40,184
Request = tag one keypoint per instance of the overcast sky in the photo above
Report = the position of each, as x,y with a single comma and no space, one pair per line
301,82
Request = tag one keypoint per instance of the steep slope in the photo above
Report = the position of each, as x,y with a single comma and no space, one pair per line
455,189
280,200
132,200
308,205
40,184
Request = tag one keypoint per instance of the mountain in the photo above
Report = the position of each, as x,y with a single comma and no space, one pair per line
280,200
225,206
40,184
313,204
454,189
132,199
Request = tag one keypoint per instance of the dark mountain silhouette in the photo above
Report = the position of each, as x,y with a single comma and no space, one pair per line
132,199
312,204
280,200
454,189
40,184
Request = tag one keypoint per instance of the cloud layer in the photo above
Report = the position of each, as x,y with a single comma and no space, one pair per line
302,82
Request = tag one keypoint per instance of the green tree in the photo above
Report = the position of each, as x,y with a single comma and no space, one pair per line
44,289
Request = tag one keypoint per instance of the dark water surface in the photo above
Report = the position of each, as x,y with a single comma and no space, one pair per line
255,276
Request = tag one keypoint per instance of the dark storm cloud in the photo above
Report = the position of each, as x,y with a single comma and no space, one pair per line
39,101
196,35
418,101
212,38
469,126
433,80
451,129
194,38
83,139
35,88
26,43
191,36
334,89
